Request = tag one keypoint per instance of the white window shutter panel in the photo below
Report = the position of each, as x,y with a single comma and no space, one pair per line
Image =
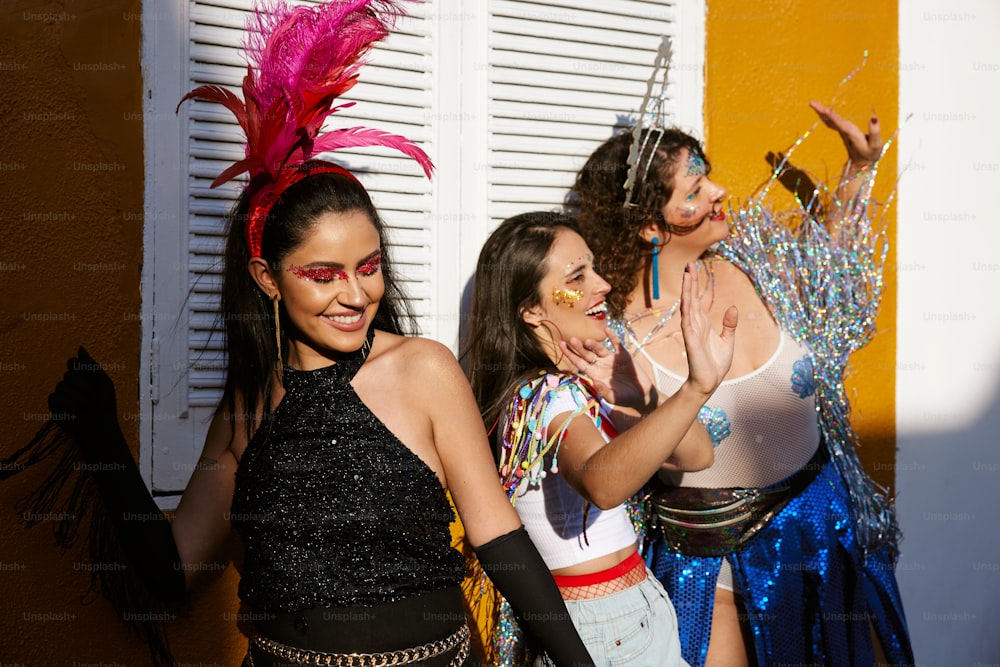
563,77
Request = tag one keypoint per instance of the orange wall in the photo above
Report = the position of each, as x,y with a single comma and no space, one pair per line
71,178
764,61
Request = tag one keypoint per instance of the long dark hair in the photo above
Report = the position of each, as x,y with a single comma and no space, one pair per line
502,349
249,313
611,229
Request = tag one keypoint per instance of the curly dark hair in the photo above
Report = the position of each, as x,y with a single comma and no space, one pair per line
611,229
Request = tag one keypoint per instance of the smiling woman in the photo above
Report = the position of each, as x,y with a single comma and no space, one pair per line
754,582
576,305
568,475
323,300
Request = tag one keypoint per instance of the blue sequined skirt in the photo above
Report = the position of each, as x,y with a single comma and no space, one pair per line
809,592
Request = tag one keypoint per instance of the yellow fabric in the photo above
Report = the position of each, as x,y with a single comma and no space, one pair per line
480,598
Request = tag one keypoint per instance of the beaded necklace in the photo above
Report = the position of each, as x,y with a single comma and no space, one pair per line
525,440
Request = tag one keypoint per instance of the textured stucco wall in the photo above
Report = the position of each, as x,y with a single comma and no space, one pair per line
765,61
71,178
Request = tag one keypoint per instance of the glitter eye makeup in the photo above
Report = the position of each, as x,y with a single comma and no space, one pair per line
322,274
326,274
695,165
566,297
370,266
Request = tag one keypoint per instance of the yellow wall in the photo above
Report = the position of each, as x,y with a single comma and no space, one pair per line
764,61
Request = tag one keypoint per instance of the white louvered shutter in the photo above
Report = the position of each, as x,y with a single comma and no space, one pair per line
545,82
564,75
507,96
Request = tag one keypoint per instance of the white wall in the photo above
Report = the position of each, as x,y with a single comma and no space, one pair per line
948,393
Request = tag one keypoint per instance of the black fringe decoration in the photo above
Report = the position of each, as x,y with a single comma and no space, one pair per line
69,491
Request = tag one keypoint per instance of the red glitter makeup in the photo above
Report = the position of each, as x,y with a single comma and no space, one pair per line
320,274
370,267
326,274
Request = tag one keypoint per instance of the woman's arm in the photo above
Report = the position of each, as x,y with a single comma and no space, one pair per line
694,452
491,524
460,441
607,474
863,150
201,523
158,551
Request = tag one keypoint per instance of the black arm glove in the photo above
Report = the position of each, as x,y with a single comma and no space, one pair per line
85,406
520,574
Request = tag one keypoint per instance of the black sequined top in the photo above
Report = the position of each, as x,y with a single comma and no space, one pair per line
333,509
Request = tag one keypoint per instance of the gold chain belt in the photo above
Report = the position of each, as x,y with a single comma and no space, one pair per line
403,656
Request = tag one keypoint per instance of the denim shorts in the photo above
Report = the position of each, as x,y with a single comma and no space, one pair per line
635,627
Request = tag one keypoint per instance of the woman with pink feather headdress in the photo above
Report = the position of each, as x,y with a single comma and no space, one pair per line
327,454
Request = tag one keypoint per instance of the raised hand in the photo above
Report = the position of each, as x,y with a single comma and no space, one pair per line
612,371
709,356
862,149
84,402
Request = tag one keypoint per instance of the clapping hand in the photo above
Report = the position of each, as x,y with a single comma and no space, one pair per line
709,356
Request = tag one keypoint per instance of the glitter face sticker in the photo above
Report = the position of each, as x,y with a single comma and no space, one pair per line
583,259
566,297
687,211
690,208
696,165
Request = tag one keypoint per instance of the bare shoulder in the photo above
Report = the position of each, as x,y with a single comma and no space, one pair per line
728,276
723,268
414,359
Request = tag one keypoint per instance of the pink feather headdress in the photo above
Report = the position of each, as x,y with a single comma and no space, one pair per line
300,60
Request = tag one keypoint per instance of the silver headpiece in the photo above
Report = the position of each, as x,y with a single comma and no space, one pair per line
652,117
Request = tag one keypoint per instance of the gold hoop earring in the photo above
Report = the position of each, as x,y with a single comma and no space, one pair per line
277,332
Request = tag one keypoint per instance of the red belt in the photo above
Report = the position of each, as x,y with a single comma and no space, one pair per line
625,574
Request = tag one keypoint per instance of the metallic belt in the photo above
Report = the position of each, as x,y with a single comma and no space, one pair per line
404,656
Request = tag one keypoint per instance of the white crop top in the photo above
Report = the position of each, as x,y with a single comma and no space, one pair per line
764,425
552,511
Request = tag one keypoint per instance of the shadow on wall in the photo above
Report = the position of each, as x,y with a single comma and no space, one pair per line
949,568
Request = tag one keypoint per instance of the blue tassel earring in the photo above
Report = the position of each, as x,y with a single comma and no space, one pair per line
656,266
